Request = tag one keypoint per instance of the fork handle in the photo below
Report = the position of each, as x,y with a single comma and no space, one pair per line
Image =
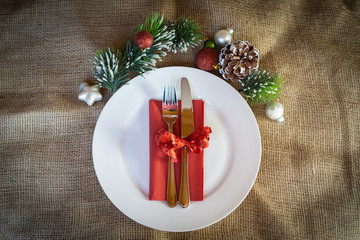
171,197
184,196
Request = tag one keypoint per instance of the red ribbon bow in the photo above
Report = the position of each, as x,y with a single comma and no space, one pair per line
196,141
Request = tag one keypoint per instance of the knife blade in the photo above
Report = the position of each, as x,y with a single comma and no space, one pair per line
187,127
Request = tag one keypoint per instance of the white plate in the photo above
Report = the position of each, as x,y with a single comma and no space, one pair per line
121,150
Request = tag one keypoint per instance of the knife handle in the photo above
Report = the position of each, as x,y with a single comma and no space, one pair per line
171,197
184,197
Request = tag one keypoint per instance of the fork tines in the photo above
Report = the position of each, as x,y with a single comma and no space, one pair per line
169,97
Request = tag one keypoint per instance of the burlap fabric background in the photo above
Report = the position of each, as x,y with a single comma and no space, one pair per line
308,184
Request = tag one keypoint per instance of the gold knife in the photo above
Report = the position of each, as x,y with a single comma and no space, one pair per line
187,127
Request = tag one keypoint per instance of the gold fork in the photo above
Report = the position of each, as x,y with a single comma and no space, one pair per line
170,115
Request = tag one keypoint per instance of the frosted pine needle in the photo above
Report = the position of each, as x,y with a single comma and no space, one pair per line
261,87
108,69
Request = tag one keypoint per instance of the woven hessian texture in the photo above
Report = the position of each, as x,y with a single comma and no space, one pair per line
309,180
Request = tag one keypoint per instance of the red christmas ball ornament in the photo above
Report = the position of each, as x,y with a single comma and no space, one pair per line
144,39
207,59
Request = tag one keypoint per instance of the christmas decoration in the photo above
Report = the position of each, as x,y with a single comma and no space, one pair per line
261,87
139,60
275,111
223,37
209,43
206,59
112,69
144,39
89,94
109,69
187,34
237,60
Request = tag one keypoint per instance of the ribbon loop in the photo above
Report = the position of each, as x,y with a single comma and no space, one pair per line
196,141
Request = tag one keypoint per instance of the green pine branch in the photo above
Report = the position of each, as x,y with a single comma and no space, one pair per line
108,69
112,69
187,34
261,87
152,24
142,60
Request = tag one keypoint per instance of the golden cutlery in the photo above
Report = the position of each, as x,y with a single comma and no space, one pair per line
170,115
187,127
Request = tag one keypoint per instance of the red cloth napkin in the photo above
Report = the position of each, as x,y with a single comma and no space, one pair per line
159,161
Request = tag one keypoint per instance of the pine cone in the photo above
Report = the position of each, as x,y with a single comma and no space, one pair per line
237,60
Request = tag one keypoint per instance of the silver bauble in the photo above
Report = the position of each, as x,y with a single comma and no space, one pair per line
223,37
275,111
